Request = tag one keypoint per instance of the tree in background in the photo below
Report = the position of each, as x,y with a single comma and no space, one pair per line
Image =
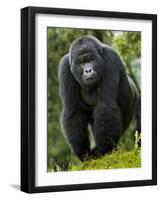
128,45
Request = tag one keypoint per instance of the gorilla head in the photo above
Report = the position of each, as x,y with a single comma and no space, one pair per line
86,62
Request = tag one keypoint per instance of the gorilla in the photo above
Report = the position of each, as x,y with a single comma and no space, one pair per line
96,93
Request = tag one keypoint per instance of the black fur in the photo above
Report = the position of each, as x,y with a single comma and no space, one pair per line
107,104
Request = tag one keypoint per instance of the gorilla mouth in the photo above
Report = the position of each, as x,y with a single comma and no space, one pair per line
88,77
89,80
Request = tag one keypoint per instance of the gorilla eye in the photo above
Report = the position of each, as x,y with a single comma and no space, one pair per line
85,60
81,64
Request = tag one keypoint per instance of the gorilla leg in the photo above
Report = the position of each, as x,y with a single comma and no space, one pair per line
107,128
76,132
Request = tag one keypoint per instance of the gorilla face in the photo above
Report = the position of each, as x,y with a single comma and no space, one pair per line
89,76
86,65
84,69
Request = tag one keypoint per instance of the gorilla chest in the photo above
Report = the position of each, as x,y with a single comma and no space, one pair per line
89,97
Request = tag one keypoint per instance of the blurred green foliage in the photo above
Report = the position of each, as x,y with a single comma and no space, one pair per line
127,45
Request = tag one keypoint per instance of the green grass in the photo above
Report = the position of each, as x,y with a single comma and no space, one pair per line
126,155
115,160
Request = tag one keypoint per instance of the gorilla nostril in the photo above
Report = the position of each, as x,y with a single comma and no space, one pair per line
88,71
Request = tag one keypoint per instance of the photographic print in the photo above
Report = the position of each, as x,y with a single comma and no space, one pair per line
88,99
94,99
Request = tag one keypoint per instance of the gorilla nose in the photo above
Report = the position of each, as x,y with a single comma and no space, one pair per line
88,71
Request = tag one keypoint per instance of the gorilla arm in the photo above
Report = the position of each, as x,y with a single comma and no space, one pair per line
127,98
108,126
74,120
69,89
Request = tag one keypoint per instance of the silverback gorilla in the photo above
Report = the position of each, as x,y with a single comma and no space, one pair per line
96,93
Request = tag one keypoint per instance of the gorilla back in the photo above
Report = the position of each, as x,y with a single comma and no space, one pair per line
96,91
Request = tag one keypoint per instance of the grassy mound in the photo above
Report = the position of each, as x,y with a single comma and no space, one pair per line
116,159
